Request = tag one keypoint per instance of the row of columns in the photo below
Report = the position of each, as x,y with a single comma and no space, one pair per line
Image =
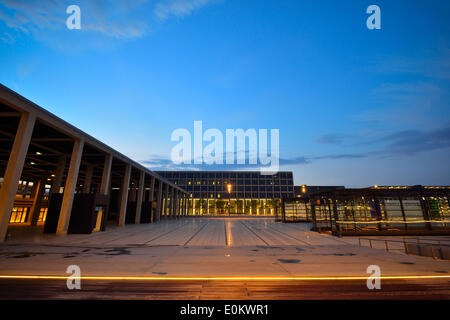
15,167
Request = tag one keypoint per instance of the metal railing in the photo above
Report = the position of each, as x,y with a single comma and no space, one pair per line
436,250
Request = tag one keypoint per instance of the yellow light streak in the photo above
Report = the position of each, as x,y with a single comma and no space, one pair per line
142,278
388,221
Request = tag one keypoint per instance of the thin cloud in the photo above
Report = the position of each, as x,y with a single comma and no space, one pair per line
109,18
178,8
401,142
436,66
333,138
127,19
415,103
411,142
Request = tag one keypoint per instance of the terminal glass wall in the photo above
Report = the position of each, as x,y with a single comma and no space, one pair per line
251,193
253,207
439,211
296,211
367,213
391,214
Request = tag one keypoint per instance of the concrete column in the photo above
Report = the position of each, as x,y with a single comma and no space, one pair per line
178,212
106,177
36,206
188,204
166,196
140,197
34,191
88,179
166,202
175,202
159,204
152,189
124,195
70,187
59,174
132,193
172,202
14,170
182,205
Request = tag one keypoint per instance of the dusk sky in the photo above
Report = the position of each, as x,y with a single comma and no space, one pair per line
354,106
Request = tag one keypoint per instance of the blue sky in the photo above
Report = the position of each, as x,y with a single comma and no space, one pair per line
354,107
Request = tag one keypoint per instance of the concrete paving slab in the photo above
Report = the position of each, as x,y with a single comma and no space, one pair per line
202,247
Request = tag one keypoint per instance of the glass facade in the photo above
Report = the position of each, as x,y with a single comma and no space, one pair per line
393,214
372,210
294,211
233,192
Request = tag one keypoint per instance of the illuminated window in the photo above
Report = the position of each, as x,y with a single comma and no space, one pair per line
18,215
42,215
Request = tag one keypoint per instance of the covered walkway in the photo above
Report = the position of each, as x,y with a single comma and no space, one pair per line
54,174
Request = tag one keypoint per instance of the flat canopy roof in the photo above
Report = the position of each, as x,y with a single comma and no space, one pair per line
384,191
54,130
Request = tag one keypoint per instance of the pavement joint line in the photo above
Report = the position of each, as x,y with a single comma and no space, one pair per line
394,277
197,232
173,252
166,233
288,235
226,233
267,244
127,233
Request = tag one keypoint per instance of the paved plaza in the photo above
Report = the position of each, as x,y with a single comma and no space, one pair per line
211,248
207,247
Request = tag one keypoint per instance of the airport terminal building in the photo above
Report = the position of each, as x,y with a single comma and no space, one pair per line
62,180
232,192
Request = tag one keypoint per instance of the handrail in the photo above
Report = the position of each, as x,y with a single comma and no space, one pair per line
403,241
406,245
